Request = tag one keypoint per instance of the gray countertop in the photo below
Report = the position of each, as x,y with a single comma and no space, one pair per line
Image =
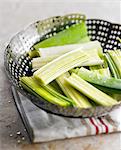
13,17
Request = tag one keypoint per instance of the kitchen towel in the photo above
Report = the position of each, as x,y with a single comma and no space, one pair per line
43,127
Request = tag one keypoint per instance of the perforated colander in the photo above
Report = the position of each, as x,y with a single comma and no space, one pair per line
18,62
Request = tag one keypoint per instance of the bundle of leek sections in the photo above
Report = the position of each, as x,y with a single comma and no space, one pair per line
71,70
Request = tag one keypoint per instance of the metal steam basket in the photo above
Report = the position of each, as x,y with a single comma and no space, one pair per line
18,62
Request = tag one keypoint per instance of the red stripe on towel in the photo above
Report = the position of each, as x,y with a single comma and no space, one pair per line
106,127
96,127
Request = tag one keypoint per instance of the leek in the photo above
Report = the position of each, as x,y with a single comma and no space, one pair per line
47,93
79,99
107,90
56,87
110,91
64,63
34,53
74,34
112,66
119,39
116,56
48,54
99,79
59,50
90,91
39,61
102,69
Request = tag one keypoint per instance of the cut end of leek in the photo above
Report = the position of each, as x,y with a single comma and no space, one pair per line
34,53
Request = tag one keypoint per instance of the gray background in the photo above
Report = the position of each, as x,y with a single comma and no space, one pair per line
17,14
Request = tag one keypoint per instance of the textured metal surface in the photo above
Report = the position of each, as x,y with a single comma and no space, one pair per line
18,63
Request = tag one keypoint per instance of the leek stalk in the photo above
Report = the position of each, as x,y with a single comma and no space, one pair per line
64,63
90,91
79,99
46,93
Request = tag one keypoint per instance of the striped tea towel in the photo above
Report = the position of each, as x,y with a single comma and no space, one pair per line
43,127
